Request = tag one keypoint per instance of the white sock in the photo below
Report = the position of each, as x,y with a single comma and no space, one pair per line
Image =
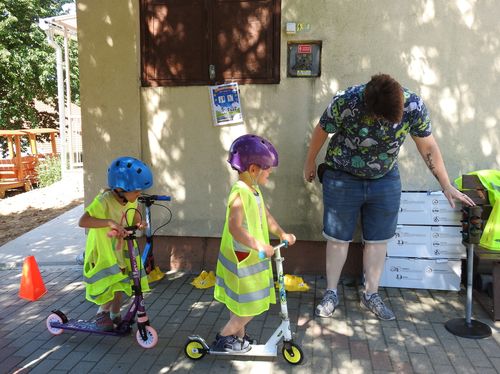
100,310
369,295
334,290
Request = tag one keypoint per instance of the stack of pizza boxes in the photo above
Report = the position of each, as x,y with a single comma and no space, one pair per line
427,249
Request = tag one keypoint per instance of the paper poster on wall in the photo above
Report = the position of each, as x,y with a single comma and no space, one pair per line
225,102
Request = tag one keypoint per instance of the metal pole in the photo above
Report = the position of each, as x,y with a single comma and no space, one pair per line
60,97
68,101
470,275
468,327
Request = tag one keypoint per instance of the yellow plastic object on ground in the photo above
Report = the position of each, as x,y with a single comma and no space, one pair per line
294,283
155,275
204,280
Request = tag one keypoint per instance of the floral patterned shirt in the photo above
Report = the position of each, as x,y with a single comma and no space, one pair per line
362,145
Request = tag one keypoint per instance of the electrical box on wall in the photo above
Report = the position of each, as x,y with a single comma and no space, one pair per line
304,59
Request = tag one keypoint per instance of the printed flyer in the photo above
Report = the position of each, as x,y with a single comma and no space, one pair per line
225,102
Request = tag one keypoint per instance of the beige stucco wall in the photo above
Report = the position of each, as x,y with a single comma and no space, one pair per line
447,51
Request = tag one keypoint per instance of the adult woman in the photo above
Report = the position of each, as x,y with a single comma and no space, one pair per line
361,177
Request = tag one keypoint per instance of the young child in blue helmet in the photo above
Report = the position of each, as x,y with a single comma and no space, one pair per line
244,282
106,263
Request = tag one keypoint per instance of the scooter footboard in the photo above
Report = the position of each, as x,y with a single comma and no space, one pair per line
85,326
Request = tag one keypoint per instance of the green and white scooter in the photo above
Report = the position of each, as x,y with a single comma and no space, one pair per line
196,347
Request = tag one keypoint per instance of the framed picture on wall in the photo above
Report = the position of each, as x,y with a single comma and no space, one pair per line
225,103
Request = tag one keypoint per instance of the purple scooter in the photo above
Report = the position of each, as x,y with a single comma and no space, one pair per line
146,336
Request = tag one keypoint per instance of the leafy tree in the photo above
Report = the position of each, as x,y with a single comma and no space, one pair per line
27,64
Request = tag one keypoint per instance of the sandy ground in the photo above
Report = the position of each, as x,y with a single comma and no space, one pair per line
23,211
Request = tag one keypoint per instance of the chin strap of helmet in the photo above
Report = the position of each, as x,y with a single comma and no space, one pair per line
255,182
121,195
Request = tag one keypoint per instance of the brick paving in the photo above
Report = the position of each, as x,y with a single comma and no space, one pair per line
352,342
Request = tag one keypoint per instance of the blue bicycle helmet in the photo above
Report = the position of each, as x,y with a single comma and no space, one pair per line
129,174
252,149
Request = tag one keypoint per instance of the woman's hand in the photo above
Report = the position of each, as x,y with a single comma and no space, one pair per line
309,170
453,194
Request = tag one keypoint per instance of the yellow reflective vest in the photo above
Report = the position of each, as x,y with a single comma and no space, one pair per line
245,287
104,258
490,179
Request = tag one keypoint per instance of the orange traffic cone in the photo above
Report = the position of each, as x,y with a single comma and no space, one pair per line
32,286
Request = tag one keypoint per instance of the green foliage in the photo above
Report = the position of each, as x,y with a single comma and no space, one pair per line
27,64
49,171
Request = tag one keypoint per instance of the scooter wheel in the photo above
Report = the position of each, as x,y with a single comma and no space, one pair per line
293,355
152,338
194,350
54,318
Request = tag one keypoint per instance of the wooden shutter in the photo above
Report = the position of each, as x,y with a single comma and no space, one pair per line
246,40
174,43
182,39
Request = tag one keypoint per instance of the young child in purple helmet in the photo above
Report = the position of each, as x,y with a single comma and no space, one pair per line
106,265
244,282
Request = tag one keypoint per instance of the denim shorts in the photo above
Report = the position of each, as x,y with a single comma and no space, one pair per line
347,198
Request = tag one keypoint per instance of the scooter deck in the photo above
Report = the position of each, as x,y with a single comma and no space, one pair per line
85,326
260,350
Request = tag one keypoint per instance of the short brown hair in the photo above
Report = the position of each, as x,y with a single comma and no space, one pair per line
384,97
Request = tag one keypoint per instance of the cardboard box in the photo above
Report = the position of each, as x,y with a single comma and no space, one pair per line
421,273
428,208
427,242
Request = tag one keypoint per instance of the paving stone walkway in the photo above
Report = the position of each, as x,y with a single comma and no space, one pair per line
352,342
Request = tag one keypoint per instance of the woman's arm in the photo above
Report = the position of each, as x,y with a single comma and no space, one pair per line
429,150
317,140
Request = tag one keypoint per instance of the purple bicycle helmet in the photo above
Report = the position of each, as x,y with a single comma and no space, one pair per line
129,174
252,149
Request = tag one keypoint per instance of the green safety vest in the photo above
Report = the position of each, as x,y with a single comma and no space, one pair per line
101,274
490,179
245,287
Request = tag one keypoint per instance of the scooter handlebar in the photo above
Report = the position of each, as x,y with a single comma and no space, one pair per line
162,197
150,198
283,244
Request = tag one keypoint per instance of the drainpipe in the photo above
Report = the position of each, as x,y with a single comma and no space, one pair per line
68,101
60,92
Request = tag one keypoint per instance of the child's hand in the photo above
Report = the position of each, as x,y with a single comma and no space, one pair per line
117,230
290,238
142,225
267,249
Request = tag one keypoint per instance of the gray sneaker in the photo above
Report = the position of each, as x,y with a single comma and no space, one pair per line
375,305
327,306
230,344
80,259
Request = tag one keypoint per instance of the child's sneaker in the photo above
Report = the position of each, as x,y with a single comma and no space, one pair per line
327,305
80,259
375,305
103,321
230,344
249,339
117,320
